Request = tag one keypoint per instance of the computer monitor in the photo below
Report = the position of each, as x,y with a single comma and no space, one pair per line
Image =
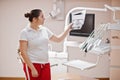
87,27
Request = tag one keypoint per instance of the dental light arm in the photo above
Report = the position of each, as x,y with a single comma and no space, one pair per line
113,9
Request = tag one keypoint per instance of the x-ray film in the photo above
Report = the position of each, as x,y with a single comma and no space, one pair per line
78,18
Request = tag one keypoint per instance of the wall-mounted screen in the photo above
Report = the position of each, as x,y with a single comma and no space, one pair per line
87,27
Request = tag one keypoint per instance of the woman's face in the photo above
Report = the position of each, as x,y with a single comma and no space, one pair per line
40,19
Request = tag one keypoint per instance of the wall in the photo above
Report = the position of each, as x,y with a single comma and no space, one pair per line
116,3
12,21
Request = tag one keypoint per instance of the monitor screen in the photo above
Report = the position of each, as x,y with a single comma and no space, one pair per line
87,27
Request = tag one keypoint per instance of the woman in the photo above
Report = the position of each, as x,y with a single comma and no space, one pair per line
34,46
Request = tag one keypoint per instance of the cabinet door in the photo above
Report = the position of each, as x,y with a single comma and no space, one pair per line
114,73
115,57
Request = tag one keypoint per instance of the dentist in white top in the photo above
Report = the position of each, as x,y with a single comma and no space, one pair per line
34,46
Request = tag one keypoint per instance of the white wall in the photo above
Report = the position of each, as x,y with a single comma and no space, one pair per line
12,21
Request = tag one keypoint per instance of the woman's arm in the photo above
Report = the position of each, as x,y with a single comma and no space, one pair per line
62,35
23,50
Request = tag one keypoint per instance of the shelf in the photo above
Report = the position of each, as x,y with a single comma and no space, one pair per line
115,47
101,49
72,43
114,27
82,65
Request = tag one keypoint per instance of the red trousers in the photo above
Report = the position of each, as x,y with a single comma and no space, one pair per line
43,71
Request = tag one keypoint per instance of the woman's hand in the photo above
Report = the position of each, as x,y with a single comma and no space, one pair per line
34,73
70,26
62,35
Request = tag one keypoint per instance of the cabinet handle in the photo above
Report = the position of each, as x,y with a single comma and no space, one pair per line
115,37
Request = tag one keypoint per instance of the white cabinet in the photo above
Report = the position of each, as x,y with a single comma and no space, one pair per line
115,55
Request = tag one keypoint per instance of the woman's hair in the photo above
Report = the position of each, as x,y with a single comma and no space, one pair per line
34,13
